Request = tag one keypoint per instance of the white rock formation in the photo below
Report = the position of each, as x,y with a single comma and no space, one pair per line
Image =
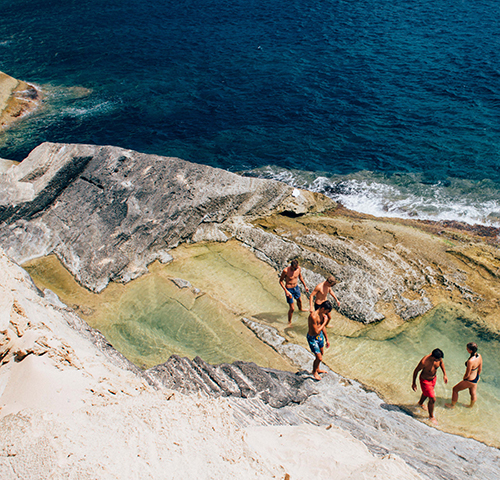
72,407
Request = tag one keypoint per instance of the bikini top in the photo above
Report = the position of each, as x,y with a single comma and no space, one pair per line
475,356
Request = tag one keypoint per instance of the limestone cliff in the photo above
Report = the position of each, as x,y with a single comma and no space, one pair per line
108,212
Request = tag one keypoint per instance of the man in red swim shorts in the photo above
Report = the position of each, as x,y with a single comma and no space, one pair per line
429,365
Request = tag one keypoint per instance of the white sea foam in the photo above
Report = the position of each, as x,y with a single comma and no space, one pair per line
89,110
401,196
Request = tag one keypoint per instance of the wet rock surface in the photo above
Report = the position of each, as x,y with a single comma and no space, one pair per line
261,396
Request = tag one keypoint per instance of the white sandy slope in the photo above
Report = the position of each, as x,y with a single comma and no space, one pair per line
68,410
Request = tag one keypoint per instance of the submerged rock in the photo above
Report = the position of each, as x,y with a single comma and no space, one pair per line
17,98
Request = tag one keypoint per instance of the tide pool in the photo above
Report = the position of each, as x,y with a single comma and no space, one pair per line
151,318
385,362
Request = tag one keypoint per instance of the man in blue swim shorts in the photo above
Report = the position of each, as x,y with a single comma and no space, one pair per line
289,281
316,335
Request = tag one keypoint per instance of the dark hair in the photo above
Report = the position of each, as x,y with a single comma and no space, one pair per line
326,306
472,347
295,263
437,353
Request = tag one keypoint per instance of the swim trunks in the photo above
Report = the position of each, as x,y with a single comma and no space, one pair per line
316,342
317,305
427,387
295,291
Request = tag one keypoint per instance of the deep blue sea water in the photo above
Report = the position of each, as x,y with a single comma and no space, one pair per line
391,107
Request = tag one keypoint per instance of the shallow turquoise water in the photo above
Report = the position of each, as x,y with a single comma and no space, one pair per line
385,361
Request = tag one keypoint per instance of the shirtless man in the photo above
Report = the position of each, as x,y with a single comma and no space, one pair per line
429,365
289,281
316,335
321,294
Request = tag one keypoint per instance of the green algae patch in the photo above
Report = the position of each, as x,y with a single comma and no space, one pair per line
151,318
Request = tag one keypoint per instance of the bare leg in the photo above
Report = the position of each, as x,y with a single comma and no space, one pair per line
473,395
290,313
329,315
299,304
458,388
321,371
432,402
316,363
421,402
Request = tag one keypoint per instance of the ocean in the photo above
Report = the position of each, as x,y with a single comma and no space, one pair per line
391,108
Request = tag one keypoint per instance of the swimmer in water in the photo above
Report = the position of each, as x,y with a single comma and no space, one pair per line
473,368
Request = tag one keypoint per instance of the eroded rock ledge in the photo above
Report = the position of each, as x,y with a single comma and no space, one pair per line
107,213
16,99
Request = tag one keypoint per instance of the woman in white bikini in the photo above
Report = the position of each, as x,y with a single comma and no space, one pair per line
473,368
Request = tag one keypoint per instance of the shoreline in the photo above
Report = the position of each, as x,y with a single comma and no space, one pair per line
276,337
17,99
388,271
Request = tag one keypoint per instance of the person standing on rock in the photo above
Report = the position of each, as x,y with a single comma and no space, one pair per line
289,281
320,295
428,367
316,335
473,368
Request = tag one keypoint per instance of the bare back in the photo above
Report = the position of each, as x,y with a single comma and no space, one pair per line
474,366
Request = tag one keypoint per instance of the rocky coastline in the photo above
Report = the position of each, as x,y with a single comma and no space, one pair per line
17,99
107,213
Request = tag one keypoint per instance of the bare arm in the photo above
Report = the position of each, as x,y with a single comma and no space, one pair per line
323,329
303,283
311,299
326,338
468,370
419,367
334,296
444,372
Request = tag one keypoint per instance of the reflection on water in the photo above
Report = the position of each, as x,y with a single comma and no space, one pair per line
151,318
